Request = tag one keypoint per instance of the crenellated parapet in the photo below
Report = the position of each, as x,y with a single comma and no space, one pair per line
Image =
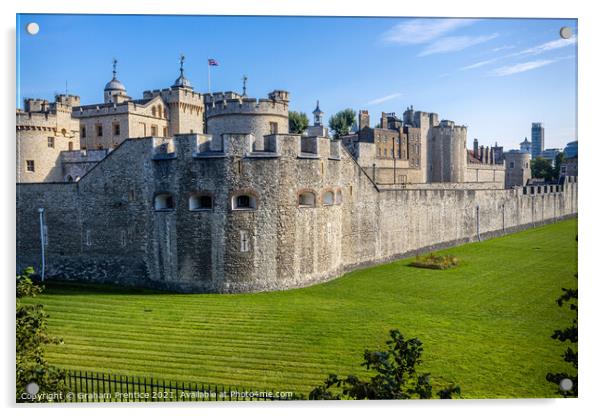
253,106
229,113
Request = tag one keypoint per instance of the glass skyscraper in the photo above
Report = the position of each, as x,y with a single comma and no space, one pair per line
537,139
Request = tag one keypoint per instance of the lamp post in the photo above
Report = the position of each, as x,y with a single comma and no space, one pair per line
42,241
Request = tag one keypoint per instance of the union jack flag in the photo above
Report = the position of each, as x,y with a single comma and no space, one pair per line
212,62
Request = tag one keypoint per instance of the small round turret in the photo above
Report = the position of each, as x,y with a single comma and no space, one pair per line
182,81
114,91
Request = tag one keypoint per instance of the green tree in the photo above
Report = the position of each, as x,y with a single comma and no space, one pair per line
542,168
396,376
297,122
31,337
558,160
341,122
570,356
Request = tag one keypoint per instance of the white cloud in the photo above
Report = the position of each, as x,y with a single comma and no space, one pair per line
522,67
455,43
502,48
419,31
480,64
549,46
384,99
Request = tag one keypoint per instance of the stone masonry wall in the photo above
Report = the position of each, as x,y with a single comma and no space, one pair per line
105,227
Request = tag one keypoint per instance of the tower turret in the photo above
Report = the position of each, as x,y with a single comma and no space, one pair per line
318,114
182,81
114,90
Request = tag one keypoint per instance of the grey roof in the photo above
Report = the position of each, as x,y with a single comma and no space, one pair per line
317,110
182,82
114,84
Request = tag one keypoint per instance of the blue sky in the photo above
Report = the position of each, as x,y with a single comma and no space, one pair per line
494,75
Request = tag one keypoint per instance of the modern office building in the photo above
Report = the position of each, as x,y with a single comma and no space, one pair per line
571,150
550,154
537,139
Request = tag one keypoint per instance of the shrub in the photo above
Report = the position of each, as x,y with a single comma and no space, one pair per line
31,337
396,376
432,261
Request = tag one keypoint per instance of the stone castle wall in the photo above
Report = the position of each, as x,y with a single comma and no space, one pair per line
33,131
105,227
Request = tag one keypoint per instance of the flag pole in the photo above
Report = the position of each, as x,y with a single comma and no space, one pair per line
209,75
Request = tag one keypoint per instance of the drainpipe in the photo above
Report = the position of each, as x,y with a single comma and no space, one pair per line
478,228
42,241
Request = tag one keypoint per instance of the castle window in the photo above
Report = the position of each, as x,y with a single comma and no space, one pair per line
511,165
200,203
30,166
165,113
328,198
116,129
244,202
164,131
159,111
83,132
123,238
153,130
339,197
88,238
51,142
154,111
99,130
70,146
273,127
307,200
164,202
245,243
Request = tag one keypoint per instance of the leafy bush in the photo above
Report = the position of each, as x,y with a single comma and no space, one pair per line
31,336
569,334
396,376
432,261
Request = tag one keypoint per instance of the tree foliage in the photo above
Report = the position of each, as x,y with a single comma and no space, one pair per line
341,122
31,337
396,376
297,122
569,334
559,160
542,168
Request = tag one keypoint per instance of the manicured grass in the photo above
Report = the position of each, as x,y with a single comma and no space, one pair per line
485,324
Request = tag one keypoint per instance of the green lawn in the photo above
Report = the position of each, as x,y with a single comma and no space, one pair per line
485,324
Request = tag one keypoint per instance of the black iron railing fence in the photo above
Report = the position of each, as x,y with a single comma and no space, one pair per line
93,387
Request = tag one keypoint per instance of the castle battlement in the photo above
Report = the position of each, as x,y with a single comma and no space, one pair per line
174,94
200,146
43,121
246,106
228,104
449,126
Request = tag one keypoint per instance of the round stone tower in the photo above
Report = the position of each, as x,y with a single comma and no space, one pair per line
234,114
447,148
518,168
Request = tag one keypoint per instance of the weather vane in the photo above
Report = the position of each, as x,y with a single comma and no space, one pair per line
114,67
244,85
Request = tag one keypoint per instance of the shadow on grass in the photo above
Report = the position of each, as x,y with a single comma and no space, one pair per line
69,287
